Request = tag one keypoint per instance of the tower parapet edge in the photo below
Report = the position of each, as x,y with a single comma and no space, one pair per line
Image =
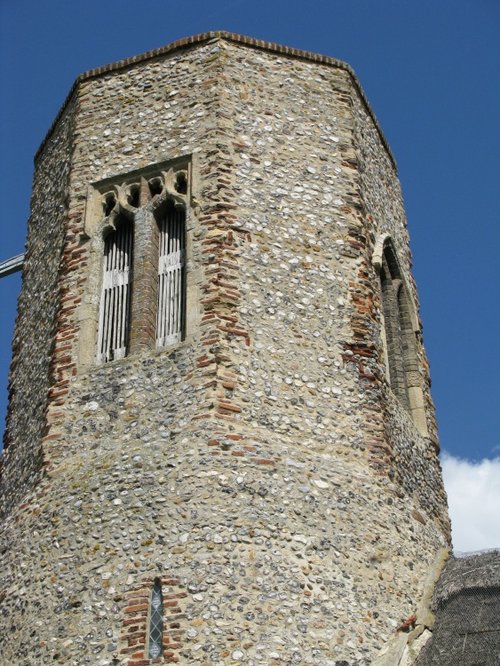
272,466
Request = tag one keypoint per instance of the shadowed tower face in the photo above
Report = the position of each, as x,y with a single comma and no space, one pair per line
221,445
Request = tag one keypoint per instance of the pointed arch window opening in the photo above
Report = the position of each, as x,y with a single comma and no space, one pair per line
114,315
400,327
394,333
145,222
155,636
171,309
399,333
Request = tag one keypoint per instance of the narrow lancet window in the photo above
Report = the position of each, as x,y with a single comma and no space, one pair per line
114,316
400,328
392,294
170,321
155,622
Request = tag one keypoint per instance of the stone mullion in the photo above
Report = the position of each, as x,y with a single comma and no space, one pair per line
144,282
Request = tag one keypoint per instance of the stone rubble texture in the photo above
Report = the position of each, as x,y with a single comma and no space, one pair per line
262,469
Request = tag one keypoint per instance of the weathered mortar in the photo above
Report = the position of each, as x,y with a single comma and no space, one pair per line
263,467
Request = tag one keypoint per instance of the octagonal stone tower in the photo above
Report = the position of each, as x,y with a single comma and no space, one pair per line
221,445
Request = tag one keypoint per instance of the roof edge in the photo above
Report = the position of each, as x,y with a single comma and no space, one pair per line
185,42
476,571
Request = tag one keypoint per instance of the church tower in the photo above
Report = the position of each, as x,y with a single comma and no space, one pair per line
221,445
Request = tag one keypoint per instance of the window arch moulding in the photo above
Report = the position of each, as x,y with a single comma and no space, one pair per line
400,326
384,241
141,197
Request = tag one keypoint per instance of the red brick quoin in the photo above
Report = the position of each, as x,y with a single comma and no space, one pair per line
135,624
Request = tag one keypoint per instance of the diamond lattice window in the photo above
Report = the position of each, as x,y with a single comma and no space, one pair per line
156,622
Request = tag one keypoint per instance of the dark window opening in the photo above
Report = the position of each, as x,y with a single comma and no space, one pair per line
133,196
109,203
155,186
181,183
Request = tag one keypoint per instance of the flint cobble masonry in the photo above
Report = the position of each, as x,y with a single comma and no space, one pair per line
262,469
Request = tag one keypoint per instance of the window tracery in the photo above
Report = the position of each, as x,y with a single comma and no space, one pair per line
400,327
149,211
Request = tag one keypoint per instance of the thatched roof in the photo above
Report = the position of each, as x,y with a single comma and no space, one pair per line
467,607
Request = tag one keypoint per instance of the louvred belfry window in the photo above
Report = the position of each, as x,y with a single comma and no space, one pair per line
171,276
114,317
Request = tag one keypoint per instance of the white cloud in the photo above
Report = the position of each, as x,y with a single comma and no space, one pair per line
474,499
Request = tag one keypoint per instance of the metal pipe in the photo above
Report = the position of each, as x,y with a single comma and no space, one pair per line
11,265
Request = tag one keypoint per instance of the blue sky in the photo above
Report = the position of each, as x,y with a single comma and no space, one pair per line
430,71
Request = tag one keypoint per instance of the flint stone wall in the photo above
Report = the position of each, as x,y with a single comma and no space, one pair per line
34,334
262,468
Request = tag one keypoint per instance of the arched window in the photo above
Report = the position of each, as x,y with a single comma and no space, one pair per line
400,327
145,228
170,321
155,634
392,298
114,315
